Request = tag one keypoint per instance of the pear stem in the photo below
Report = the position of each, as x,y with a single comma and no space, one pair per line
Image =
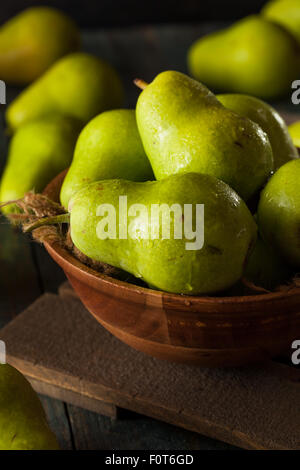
57,219
140,83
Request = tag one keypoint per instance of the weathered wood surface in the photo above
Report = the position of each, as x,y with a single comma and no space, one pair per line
27,271
59,345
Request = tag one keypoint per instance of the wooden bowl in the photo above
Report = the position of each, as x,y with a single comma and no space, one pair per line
207,331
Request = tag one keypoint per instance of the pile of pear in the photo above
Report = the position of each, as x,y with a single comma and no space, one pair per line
258,55
222,151
182,145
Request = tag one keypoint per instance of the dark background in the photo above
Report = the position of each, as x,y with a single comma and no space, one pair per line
95,13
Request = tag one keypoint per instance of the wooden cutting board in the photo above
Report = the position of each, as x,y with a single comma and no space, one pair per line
67,355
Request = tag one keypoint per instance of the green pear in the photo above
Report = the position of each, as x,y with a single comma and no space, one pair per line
286,13
279,212
22,418
265,268
38,151
253,57
184,128
32,41
78,85
165,259
108,147
269,120
294,130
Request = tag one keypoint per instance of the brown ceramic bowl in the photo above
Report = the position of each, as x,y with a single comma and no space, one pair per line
207,331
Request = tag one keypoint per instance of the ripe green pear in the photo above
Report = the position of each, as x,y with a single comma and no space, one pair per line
23,422
38,151
254,57
286,13
166,261
108,147
32,41
269,120
78,85
265,268
279,212
184,128
294,130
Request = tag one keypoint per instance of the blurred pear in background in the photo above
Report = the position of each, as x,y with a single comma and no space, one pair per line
38,151
78,85
32,41
253,56
286,13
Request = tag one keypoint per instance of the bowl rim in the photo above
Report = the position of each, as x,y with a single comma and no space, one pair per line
97,277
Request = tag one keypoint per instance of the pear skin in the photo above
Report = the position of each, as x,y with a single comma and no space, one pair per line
32,41
269,120
108,147
265,268
78,85
22,418
184,128
165,262
285,13
278,213
252,57
294,130
38,151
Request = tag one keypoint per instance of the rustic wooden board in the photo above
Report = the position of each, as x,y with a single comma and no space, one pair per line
59,346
